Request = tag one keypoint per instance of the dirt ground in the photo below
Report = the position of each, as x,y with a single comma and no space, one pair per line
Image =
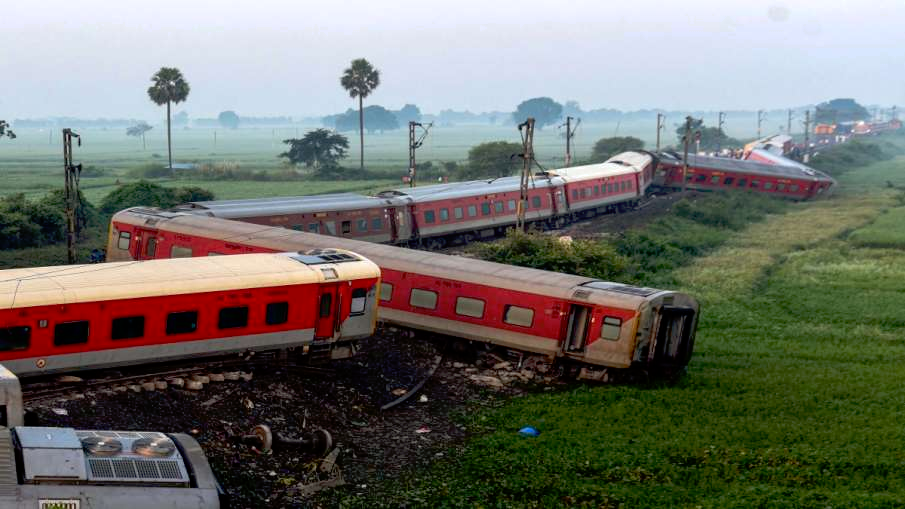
374,445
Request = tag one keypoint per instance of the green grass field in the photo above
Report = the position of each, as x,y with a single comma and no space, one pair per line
793,397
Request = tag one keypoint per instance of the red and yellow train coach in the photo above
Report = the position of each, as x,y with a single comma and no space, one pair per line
591,323
66,318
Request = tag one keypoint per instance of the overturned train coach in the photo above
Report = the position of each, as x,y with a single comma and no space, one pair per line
65,468
584,322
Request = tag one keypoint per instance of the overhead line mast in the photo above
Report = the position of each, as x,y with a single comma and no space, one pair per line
526,130
414,144
570,133
71,172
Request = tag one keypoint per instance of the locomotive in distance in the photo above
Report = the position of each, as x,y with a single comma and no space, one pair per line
435,216
588,325
67,318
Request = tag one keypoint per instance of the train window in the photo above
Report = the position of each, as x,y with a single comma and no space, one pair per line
728,181
313,227
755,184
628,184
362,225
457,213
609,188
485,208
423,299
511,205
125,238
742,183
444,214
14,338
575,194
386,291
467,306
794,188
701,178
296,227
535,202
780,187
277,313
331,227
515,315
70,333
596,190
611,328
499,206
585,192
429,216
180,252
623,185
768,185
151,248
230,318
326,305
359,299
127,327
182,322
376,224
472,211
688,178
346,226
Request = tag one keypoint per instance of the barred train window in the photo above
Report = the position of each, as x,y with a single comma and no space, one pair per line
182,322
359,299
611,328
231,318
498,206
444,214
180,252
14,338
467,306
386,291
124,239
277,313
429,216
376,224
70,333
127,327
457,213
423,299
511,205
362,225
535,202
472,211
515,315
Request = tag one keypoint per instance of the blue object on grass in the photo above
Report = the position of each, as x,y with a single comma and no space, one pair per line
528,431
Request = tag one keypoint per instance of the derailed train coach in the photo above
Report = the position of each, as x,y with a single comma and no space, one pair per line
438,215
589,324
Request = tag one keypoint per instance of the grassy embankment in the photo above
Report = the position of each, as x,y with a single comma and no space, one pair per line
793,397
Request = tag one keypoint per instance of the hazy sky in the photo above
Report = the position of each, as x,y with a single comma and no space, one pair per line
94,58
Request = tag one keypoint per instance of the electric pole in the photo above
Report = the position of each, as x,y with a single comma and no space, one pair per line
686,139
660,126
526,130
807,132
789,123
761,116
570,133
721,119
71,191
413,145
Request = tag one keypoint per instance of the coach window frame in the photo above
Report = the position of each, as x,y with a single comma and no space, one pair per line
419,298
124,236
472,211
124,327
444,214
430,217
458,213
276,313
176,321
71,327
485,208
514,320
359,302
11,338
232,317
386,291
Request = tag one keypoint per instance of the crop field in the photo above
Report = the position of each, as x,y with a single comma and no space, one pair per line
793,397
32,163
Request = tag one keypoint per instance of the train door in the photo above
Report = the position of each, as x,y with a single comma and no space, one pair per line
145,245
328,309
578,328
673,344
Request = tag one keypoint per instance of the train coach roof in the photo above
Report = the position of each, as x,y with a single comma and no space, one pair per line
467,189
401,259
282,205
128,280
626,163
731,165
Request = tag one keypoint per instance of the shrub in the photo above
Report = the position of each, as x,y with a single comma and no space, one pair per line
144,193
150,171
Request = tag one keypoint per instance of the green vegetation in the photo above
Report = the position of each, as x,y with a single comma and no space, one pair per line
168,87
888,231
320,148
606,148
840,110
5,130
710,138
491,160
857,153
152,195
359,80
545,111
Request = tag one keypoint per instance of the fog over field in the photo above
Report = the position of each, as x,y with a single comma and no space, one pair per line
94,58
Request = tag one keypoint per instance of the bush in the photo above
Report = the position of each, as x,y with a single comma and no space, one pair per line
33,223
150,171
844,157
144,193
581,257
93,172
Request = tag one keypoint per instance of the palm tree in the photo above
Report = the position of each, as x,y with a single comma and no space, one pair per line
169,87
360,79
